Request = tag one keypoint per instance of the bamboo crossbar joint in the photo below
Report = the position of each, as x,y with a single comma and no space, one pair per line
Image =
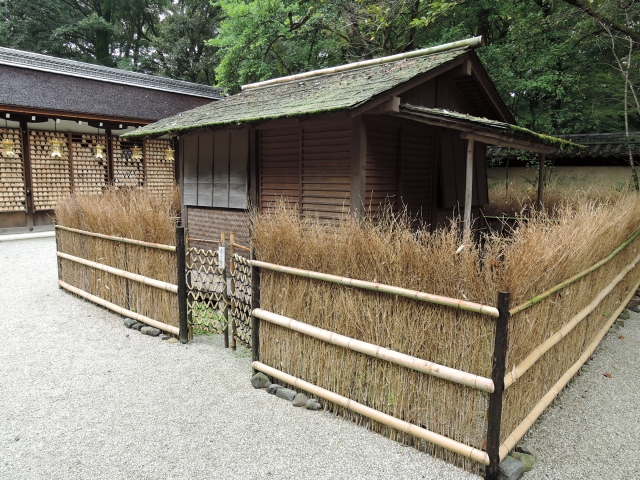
118,309
554,339
424,366
169,287
515,436
376,415
379,287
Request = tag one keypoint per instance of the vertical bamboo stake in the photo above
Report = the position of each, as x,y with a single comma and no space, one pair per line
468,194
182,284
255,303
497,375
232,268
222,264
543,158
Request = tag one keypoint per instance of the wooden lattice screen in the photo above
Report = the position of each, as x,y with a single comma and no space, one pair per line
127,172
51,176
12,188
90,175
159,171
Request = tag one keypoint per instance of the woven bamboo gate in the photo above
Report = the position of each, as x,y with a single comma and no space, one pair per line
521,385
141,280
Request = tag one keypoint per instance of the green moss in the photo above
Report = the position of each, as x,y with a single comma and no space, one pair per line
548,139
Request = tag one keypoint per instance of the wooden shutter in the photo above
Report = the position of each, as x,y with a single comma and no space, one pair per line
326,169
238,160
205,169
279,156
190,169
221,169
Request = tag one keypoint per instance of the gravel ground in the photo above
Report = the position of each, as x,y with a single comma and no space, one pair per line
81,397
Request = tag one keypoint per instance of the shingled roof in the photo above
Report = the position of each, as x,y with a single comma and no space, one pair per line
344,90
61,66
462,121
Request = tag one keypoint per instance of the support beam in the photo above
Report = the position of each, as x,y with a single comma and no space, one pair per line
468,192
543,158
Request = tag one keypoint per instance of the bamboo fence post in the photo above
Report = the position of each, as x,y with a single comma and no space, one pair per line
497,375
57,250
255,303
182,284
222,266
232,239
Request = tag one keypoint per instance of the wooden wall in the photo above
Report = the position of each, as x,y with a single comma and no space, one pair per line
307,165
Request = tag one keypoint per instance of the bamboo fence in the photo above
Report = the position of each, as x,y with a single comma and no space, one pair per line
132,277
363,363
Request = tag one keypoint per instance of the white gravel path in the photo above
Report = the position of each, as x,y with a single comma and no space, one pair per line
81,397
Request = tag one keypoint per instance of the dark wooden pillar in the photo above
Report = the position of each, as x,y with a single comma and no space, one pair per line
28,177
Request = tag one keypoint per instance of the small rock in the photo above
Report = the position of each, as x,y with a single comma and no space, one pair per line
635,309
173,340
286,394
526,459
527,450
165,337
151,331
624,315
273,388
300,400
260,380
619,323
510,469
137,326
17,439
129,322
614,329
312,404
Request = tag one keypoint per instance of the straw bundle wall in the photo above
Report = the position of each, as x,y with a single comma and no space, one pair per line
138,214
538,255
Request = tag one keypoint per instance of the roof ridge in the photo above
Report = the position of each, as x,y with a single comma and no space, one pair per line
467,43
75,68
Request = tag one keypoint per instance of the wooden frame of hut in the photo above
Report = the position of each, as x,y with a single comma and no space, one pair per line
410,129
81,106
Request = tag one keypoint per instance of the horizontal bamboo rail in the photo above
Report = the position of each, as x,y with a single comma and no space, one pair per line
576,277
169,287
376,415
242,247
122,311
159,246
202,240
424,366
379,287
545,346
515,436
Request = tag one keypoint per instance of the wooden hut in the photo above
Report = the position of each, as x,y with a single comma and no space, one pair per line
83,106
410,128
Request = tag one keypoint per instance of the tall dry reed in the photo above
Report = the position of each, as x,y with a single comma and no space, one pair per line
129,213
539,254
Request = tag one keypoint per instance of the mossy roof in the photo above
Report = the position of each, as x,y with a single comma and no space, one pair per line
492,125
333,92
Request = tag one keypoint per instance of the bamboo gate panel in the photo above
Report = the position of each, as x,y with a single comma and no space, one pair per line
155,300
297,337
12,184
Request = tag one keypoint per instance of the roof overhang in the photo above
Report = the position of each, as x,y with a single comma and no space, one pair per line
483,130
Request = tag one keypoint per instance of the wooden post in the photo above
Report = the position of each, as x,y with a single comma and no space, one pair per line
497,375
181,253
468,193
232,269
543,158
57,230
222,264
255,303
28,179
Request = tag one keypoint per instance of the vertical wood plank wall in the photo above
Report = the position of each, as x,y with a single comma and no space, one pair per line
279,166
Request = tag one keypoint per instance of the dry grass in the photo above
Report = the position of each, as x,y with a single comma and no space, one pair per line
538,255
137,214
